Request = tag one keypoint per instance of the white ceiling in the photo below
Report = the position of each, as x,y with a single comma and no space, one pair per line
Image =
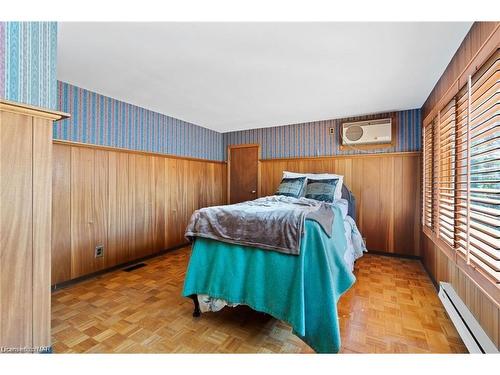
233,76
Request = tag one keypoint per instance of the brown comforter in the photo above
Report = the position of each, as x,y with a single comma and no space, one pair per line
273,223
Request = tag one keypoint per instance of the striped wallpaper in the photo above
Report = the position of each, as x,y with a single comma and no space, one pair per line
314,139
101,120
28,60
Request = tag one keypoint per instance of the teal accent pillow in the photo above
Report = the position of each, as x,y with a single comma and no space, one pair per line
321,190
291,187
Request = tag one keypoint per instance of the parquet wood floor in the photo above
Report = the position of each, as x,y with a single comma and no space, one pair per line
392,308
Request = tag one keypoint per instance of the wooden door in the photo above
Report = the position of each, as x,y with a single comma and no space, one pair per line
243,169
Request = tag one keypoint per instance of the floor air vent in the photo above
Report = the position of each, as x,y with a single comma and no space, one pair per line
473,336
134,267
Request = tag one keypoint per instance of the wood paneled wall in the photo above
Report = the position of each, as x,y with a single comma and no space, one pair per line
135,204
386,188
441,267
25,234
482,38
16,241
481,297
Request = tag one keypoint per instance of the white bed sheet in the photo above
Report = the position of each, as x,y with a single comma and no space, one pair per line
355,244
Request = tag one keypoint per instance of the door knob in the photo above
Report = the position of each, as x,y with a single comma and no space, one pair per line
253,191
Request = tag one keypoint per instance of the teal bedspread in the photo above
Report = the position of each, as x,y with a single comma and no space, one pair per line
301,290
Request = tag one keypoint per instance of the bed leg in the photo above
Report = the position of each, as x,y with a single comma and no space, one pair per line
197,311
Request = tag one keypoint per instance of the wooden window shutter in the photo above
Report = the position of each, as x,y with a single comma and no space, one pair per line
461,161
461,171
435,174
446,173
428,191
484,128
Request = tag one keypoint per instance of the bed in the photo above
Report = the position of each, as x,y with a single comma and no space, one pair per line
301,289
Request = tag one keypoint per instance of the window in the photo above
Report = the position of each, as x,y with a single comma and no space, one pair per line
484,197
462,171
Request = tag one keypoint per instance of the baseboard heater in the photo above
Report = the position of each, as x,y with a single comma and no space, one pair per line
473,336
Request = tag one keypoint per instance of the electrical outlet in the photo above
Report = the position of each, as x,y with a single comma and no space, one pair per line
332,131
99,251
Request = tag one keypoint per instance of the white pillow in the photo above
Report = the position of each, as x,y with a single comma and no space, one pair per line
319,176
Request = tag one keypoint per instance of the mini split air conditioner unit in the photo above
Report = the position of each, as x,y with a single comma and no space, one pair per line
367,132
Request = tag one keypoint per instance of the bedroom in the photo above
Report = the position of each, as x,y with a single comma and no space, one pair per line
249,187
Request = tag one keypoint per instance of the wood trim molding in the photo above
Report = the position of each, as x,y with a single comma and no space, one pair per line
244,145
374,155
120,149
30,110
